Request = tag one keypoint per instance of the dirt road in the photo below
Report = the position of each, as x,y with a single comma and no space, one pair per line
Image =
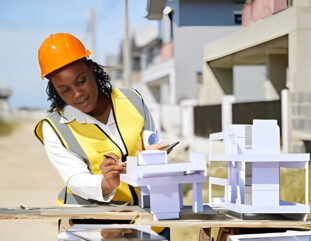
26,178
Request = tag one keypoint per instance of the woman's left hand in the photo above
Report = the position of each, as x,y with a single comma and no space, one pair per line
158,146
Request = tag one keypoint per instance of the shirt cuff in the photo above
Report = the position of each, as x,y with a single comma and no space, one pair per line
109,197
88,186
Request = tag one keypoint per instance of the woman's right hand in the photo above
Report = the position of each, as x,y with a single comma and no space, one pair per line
159,146
111,168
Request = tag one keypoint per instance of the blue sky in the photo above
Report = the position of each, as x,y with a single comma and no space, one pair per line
25,24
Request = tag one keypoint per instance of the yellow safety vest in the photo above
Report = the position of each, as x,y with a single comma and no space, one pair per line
95,143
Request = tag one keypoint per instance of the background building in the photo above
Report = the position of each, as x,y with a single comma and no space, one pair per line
5,109
170,69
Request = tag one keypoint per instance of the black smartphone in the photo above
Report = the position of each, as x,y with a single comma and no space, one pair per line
170,147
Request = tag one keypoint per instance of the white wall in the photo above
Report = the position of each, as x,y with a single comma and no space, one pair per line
249,83
188,55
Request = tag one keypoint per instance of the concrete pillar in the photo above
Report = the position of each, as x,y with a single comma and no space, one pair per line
299,75
226,111
225,78
285,119
276,71
211,91
187,118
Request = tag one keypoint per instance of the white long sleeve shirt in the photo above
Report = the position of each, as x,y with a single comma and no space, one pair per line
72,169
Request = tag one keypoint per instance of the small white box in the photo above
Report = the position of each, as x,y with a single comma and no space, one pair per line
152,157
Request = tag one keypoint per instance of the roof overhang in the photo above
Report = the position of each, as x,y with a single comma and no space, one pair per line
155,9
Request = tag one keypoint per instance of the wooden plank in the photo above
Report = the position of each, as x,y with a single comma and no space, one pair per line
228,223
107,212
139,216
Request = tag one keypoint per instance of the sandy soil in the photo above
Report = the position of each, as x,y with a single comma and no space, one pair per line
26,178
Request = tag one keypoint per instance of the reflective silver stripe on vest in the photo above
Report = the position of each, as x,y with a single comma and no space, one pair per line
149,123
69,198
140,105
75,147
71,141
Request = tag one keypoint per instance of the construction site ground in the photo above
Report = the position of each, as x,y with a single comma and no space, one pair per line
26,178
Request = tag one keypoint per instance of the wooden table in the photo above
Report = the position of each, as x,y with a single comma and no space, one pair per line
106,212
211,218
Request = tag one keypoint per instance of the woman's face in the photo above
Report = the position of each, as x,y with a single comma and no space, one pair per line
76,85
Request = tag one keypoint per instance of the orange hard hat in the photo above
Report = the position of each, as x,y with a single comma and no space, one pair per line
59,50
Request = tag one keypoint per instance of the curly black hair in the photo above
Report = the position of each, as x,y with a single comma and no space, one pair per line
102,81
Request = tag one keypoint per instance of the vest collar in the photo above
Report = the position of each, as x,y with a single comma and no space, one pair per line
71,113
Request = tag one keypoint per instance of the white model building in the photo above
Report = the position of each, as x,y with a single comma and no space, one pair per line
254,161
161,182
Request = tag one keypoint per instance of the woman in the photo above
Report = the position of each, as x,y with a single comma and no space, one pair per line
92,127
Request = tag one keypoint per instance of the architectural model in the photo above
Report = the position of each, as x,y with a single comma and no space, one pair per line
254,161
161,182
